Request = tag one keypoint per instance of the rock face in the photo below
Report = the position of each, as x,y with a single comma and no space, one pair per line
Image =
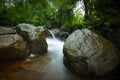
87,53
60,34
34,37
5,30
12,47
44,30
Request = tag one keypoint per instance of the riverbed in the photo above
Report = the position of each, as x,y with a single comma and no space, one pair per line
46,66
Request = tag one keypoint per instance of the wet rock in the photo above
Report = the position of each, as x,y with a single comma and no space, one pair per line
60,34
34,37
90,54
44,30
12,47
5,30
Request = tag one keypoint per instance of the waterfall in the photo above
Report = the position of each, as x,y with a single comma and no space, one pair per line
54,44
53,35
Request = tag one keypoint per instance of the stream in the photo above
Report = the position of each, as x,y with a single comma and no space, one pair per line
47,66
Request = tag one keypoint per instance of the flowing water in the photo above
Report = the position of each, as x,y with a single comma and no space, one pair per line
47,66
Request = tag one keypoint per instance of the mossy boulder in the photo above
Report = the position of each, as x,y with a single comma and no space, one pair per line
87,53
12,47
6,30
34,37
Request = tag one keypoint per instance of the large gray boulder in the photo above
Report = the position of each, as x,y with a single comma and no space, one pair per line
34,37
87,53
12,47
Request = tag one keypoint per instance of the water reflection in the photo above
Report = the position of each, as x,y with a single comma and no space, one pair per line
32,55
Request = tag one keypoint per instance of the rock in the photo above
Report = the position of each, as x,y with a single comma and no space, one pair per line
44,30
87,53
12,47
55,31
5,30
60,34
34,37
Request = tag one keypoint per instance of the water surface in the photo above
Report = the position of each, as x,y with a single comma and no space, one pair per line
47,66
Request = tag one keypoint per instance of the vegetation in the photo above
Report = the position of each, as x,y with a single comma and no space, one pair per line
101,16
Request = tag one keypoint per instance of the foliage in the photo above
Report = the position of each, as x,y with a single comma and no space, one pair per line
50,13
107,13
102,16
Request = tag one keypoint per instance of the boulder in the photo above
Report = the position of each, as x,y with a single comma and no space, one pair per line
60,34
34,37
5,30
44,30
12,47
87,53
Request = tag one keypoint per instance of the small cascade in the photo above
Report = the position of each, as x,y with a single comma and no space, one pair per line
54,44
53,35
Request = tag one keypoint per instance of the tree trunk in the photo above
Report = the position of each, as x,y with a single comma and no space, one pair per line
86,9
26,11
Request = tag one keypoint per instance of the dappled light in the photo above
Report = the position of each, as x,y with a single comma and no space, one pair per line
79,7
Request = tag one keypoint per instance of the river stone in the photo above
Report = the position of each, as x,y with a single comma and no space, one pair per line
62,35
44,30
34,37
87,53
12,47
5,30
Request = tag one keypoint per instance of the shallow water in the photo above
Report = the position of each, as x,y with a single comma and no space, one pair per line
47,66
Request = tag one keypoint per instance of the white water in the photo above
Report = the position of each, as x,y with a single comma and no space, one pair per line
51,64
54,44
53,36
